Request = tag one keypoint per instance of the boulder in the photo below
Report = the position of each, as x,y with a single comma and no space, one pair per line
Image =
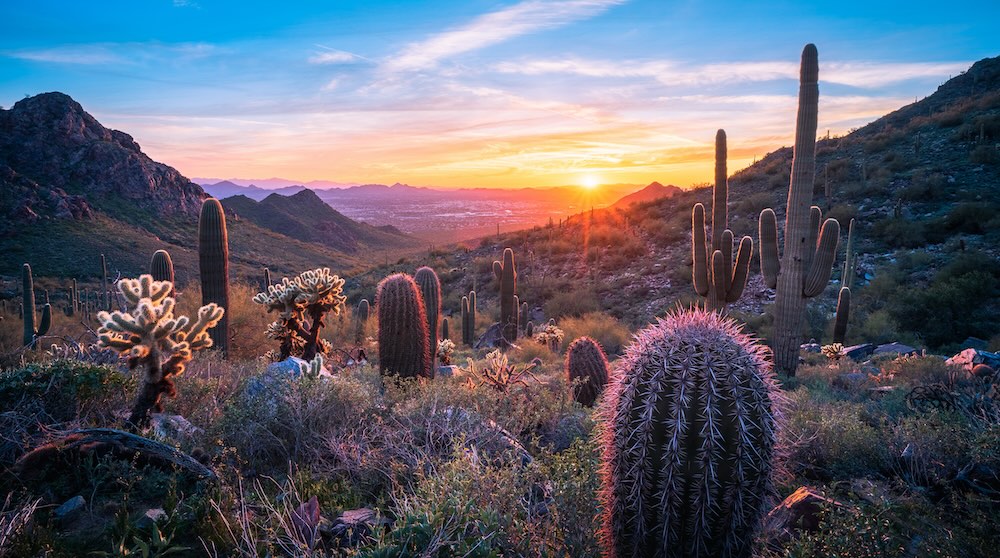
895,348
353,528
850,381
491,339
447,371
860,352
70,508
811,348
799,511
173,427
969,358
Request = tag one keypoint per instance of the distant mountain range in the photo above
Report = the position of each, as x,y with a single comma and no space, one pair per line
72,189
653,192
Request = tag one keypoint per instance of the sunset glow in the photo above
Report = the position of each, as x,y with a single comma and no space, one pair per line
489,94
589,182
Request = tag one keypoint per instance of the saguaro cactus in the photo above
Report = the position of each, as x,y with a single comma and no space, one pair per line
805,268
522,317
161,267
843,315
152,337
105,292
444,329
586,370
402,329
714,274
430,289
847,276
517,316
686,466
213,263
466,336
472,315
364,310
31,333
506,274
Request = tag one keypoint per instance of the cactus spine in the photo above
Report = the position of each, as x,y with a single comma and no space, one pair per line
843,315
686,467
466,336
430,289
714,274
161,267
805,268
31,333
402,329
506,275
213,263
586,370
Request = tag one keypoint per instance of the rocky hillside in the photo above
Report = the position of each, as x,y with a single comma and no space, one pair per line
305,216
652,192
73,189
921,184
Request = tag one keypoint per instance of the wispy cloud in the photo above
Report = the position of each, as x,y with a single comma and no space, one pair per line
112,53
670,73
493,28
81,54
334,57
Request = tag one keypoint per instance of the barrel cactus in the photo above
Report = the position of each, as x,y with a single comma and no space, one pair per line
586,370
430,290
151,336
213,263
690,417
402,329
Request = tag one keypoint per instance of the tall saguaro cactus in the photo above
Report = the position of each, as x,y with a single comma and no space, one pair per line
843,315
364,309
161,267
847,276
714,274
105,292
506,274
807,262
430,289
402,329
213,264
472,313
466,336
31,333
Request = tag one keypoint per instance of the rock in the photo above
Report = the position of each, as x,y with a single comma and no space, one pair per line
173,427
490,339
799,511
811,348
975,343
850,381
895,348
860,352
969,358
983,371
447,371
148,520
354,528
70,507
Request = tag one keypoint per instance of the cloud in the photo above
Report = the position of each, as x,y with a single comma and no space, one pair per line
670,73
113,53
80,54
334,57
493,28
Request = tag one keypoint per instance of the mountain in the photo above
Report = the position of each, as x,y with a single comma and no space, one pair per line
305,216
275,183
654,191
72,189
227,189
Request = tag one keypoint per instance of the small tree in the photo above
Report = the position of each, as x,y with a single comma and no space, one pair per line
152,337
310,296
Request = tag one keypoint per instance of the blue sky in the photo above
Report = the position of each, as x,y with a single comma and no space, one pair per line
478,93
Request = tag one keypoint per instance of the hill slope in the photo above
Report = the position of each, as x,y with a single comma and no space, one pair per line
73,189
653,191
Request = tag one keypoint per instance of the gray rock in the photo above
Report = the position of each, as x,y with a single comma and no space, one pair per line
801,511
897,348
173,427
811,348
70,507
447,371
491,339
860,352
148,520
851,380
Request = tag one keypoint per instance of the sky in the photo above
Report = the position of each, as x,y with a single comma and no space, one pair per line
478,93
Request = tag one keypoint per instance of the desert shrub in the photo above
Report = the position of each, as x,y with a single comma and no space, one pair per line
606,330
918,370
572,303
858,533
843,213
934,447
971,218
878,327
900,233
832,440
753,204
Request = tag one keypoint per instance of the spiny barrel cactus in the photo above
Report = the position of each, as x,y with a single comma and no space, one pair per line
804,270
213,264
686,467
430,290
506,275
152,337
714,274
402,329
161,267
302,304
843,315
586,370
31,333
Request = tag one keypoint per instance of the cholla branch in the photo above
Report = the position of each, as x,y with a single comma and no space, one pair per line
152,337
310,296
499,373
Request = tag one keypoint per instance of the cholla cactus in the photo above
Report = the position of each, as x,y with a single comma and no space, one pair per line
151,336
311,295
313,368
445,348
834,352
550,335
687,451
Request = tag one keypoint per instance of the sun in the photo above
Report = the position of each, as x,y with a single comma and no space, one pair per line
589,182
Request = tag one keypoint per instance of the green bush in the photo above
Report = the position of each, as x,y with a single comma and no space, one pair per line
606,330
